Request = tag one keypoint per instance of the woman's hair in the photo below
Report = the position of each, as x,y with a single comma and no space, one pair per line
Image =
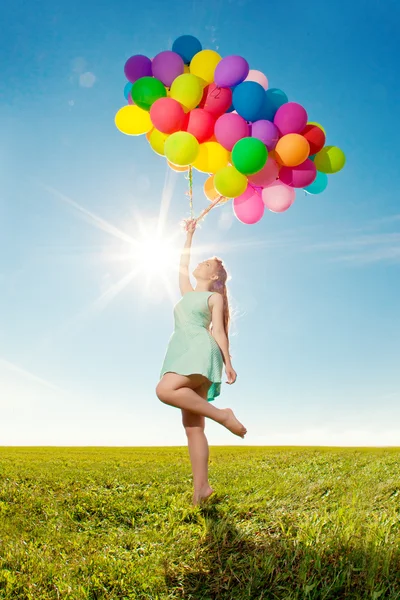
219,286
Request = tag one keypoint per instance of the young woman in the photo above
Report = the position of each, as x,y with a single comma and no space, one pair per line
192,369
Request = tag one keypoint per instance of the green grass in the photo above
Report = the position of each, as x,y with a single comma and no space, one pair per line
114,523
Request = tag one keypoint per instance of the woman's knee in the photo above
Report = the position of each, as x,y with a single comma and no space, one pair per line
163,392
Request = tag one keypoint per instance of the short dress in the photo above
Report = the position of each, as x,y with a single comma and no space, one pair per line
192,349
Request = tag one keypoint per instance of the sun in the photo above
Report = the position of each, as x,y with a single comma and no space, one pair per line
155,255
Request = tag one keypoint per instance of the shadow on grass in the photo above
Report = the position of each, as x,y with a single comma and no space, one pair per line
231,564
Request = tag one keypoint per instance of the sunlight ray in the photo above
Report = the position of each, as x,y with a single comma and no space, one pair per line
166,196
13,368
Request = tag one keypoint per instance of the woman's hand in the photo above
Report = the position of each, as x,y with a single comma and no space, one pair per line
190,226
231,374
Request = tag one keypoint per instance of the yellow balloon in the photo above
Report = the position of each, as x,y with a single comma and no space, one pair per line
157,141
211,158
181,148
330,159
133,120
317,124
211,193
187,90
204,64
230,183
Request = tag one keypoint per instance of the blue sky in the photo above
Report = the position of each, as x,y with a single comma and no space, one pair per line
316,335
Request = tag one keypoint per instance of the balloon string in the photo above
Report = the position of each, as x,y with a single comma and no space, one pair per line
207,210
190,190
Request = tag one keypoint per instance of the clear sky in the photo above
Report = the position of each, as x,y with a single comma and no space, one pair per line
316,335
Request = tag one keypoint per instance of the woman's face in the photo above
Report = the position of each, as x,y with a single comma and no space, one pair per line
206,270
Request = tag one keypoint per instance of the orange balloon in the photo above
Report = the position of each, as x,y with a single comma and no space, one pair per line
211,193
292,150
176,168
149,134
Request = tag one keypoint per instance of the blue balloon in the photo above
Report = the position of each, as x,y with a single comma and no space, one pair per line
312,157
274,99
186,46
249,100
127,89
230,109
318,185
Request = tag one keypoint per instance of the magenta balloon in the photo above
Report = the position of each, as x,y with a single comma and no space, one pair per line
249,207
229,129
167,66
278,197
265,131
136,67
267,175
258,77
299,177
291,118
231,71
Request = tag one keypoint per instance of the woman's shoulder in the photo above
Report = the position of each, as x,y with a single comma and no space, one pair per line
215,299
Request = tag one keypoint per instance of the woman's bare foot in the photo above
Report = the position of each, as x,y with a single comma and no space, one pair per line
202,494
231,423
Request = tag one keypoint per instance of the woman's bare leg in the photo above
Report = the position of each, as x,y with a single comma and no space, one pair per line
198,449
178,390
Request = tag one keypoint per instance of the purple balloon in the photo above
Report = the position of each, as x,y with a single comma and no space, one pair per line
136,67
167,66
265,131
291,118
231,71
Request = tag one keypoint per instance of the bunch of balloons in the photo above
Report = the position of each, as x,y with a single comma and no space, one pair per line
218,116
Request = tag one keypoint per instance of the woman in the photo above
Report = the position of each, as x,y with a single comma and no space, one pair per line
192,369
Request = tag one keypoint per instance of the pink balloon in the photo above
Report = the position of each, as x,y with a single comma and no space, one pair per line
130,101
267,175
291,118
278,196
249,207
229,129
299,177
258,77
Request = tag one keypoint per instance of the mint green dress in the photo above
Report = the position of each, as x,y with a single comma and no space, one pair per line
191,348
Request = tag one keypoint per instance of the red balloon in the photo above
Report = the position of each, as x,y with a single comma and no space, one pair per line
216,100
200,123
167,115
315,137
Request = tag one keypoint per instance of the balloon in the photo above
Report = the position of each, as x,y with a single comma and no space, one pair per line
146,91
249,207
132,120
157,141
186,46
274,99
318,185
315,137
229,182
212,157
317,125
200,123
130,101
249,100
127,90
187,90
204,63
231,71
229,129
176,168
292,149
211,193
167,66
330,159
216,100
267,175
278,197
136,67
249,155
181,148
265,131
299,176
258,77
167,115
290,118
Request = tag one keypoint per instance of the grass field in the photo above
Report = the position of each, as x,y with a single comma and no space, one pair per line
114,523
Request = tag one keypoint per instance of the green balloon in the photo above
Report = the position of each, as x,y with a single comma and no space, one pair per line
146,90
249,155
330,159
